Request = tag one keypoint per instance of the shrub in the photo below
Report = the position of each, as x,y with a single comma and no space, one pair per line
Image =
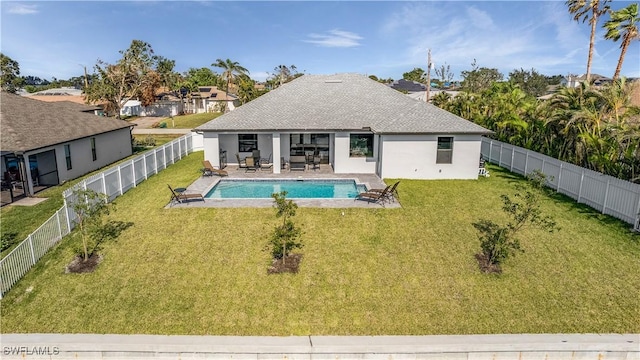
498,242
163,125
7,240
285,237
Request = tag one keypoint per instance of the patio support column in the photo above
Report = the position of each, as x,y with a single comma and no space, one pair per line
25,173
276,153
212,149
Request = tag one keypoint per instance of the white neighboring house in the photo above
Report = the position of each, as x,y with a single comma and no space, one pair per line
211,99
160,108
131,108
573,81
353,123
49,143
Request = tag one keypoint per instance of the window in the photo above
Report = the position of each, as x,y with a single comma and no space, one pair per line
93,149
445,150
361,145
67,155
247,142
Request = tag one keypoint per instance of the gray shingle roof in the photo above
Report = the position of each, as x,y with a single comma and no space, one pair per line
340,102
28,124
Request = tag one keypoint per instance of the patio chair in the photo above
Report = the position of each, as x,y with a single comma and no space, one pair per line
392,194
251,164
316,163
242,163
265,165
482,171
182,196
209,170
374,196
297,162
266,160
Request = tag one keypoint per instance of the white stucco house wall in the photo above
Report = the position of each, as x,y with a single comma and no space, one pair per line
50,143
160,108
353,123
210,99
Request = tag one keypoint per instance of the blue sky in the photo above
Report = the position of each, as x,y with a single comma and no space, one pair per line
384,38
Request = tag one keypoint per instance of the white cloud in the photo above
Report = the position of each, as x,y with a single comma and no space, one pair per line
22,9
335,38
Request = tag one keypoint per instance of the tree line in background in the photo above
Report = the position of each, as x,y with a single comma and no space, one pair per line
140,74
595,127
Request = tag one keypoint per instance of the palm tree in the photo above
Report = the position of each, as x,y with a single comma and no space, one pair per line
231,70
623,24
581,9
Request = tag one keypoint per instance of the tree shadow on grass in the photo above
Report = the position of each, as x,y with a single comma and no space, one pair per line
110,230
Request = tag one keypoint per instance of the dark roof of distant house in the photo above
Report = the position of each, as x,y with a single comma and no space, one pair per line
408,85
340,102
29,124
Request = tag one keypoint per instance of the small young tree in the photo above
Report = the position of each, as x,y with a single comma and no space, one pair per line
286,236
89,207
497,241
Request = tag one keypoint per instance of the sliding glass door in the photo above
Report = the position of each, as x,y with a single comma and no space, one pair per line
310,145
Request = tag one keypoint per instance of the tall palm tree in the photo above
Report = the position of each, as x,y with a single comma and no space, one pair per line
591,10
231,70
623,24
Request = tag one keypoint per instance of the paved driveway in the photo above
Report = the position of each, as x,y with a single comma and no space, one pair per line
146,122
143,126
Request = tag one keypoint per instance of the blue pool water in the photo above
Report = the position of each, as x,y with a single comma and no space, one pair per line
296,189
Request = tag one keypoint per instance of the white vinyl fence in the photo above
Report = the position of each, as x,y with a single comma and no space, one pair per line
114,182
607,194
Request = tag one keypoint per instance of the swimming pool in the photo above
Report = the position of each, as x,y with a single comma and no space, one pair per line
296,189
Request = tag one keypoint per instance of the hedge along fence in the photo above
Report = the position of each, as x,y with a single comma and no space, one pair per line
113,182
607,194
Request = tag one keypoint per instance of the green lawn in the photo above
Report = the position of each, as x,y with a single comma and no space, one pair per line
23,220
370,272
190,121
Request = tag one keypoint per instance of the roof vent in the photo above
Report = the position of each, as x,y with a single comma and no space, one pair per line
333,81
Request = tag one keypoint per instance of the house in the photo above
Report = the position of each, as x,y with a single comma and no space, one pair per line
66,94
167,103
211,99
408,86
575,81
353,123
57,141
421,96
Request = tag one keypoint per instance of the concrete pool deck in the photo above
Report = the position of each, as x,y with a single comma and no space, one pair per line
205,183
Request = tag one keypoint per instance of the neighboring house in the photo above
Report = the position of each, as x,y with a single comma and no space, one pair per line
65,94
353,123
210,99
160,108
598,80
418,91
421,96
408,86
575,81
57,141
